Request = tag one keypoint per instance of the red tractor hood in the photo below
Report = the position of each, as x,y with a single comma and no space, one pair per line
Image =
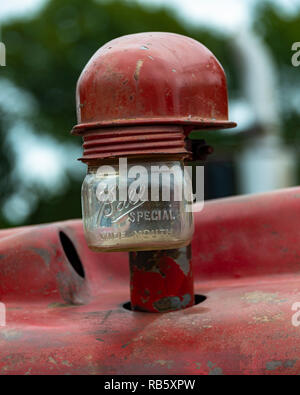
62,318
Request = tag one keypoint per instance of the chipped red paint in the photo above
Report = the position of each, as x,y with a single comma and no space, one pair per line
246,259
161,281
139,83
151,78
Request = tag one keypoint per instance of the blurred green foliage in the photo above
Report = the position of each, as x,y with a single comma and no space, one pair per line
47,53
46,56
279,31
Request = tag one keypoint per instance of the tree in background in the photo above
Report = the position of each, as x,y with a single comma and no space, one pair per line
280,31
46,55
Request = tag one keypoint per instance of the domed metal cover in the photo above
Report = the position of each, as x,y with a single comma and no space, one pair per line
152,78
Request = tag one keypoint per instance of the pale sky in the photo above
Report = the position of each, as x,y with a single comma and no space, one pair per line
228,14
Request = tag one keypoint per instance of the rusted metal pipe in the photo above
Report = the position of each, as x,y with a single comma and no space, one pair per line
161,281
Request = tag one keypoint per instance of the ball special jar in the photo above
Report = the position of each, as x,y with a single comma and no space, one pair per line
137,206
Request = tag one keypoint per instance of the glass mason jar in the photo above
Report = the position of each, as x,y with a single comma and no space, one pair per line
137,206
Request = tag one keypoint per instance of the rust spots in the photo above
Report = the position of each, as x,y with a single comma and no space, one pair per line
126,344
166,363
139,65
52,360
183,260
262,297
147,298
11,334
214,370
44,254
172,303
72,289
107,314
147,261
263,318
67,363
161,281
59,305
273,365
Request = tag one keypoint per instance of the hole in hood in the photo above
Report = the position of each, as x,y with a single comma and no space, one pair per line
71,254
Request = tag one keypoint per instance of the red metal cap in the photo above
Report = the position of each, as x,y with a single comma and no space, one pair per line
152,79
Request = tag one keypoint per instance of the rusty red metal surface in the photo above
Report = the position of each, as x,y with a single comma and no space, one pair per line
246,257
161,281
152,78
